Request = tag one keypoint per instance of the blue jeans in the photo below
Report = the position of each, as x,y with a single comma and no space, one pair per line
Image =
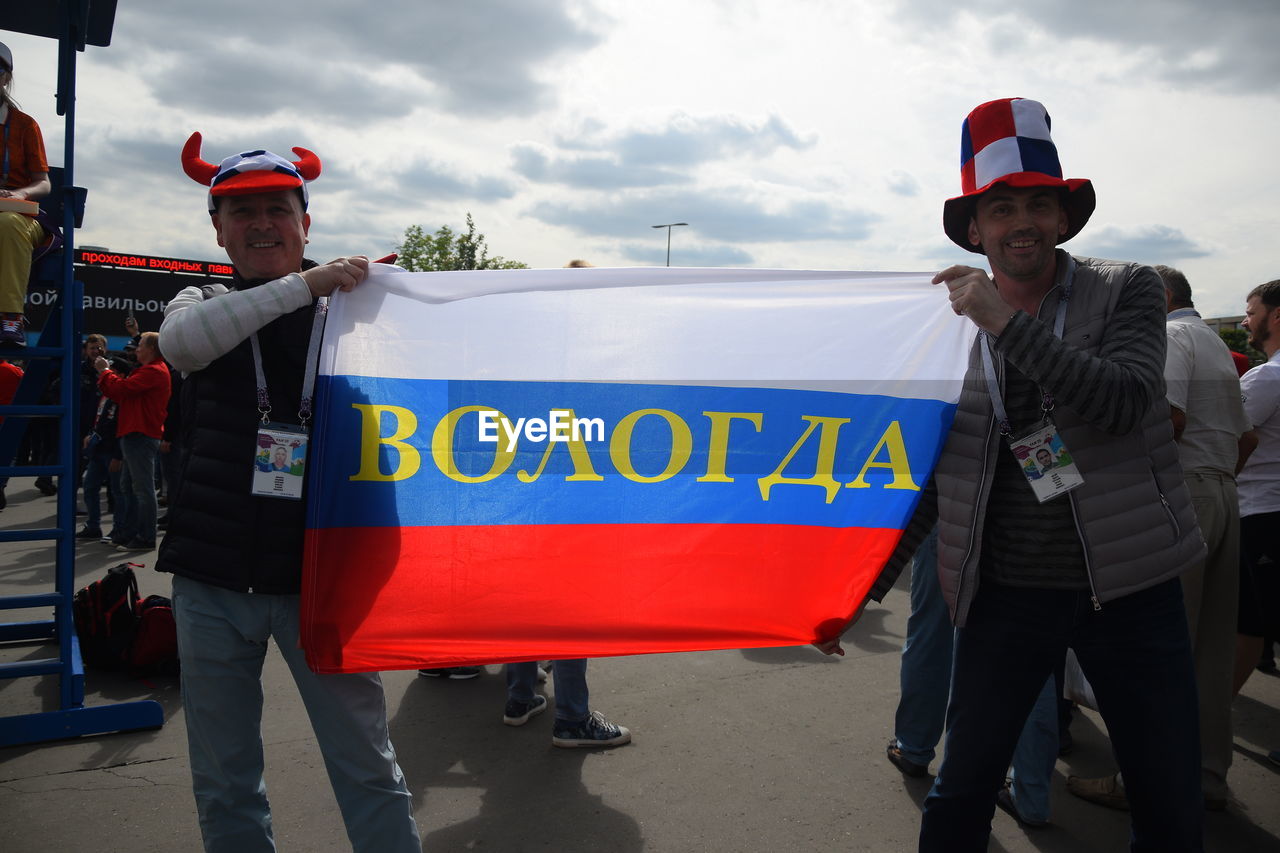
97,472
222,641
1036,754
1136,653
925,676
926,682
138,483
570,679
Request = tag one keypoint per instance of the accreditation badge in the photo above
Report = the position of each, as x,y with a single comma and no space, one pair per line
280,461
1045,461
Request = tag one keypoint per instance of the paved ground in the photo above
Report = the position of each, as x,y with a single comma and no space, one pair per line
735,751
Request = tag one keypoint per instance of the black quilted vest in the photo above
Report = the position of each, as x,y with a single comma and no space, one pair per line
218,532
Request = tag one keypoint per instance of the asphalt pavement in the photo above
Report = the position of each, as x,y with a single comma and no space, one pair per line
736,751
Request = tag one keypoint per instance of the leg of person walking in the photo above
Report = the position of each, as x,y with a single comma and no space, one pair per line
1003,657
348,713
1136,653
573,699
139,461
95,477
1211,593
222,640
925,674
125,520
1035,757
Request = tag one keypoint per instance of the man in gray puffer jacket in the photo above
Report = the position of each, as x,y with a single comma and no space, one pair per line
1069,359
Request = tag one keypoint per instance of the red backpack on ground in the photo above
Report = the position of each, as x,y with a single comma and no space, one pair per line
106,617
118,630
155,642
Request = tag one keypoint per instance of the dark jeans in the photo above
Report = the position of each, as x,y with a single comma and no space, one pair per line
138,486
97,473
1136,653
169,472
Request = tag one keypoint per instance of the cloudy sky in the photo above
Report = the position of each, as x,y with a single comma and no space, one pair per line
787,133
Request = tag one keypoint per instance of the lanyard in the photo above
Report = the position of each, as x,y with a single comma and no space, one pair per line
988,365
308,379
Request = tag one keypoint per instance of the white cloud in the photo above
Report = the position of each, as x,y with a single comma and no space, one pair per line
813,133
684,255
902,183
1147,244
1228,46
734,216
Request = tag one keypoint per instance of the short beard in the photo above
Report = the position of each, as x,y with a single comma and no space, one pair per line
1260,337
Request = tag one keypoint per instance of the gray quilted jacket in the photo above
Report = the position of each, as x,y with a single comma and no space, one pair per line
1133,514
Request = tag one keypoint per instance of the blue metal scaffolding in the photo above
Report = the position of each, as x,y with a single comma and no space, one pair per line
75,24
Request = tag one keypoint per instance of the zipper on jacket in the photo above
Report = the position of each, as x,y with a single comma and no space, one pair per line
963,606
1084,552
962,603
1173,519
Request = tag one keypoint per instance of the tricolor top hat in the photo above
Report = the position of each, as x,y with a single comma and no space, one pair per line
250,172
1007,142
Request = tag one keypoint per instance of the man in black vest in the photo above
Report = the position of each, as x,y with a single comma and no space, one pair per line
234,546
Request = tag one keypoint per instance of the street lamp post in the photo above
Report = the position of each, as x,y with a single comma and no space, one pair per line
669,226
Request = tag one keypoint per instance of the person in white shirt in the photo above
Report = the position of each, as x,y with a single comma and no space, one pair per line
1259,484
1214,441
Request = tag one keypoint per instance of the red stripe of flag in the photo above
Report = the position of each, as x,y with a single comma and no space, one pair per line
479,595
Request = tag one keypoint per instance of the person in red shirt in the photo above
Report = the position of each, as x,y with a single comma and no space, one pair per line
10,376
24,175
143,396
1241,361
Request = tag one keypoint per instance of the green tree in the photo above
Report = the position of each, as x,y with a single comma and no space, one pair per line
1237,340
447,249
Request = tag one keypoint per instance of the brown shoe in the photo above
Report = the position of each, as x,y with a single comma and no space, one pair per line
1105,791
906,765
1004,799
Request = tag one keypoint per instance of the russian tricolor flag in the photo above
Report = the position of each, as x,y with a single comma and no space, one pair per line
540,464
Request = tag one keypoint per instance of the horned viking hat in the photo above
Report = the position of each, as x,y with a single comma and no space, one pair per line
1007,142
250,172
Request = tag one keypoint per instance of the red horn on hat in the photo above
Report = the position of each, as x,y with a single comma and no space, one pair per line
197,169
309,166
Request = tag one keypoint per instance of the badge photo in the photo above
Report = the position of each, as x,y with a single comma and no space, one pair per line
279,463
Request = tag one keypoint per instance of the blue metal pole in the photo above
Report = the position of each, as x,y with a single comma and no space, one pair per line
72,686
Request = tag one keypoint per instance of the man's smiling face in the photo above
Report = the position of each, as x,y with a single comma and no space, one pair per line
263,233
1018,228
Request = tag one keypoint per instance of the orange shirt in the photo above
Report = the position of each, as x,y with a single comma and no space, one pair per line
25,148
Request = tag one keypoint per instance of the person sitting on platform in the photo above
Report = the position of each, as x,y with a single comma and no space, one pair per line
24,176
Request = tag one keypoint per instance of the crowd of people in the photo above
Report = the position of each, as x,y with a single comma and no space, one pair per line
1109,486
128,417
